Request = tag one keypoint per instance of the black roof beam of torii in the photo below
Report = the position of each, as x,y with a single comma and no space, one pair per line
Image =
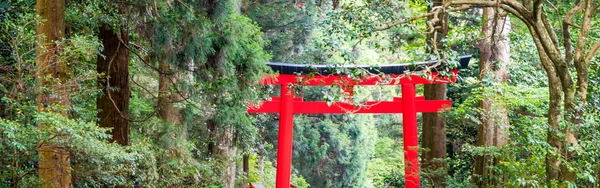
289,68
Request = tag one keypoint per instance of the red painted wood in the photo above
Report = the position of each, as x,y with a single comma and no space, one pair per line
408,105
372,107
411,140
284,147
326,80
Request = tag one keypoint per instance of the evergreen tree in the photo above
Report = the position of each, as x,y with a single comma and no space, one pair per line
52,75
132,93
113,66
434,126
494,60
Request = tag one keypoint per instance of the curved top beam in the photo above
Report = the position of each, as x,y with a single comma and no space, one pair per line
287,68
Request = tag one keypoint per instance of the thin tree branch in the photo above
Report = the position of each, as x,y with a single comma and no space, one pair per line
357,43
550,31
582,39
568,22
421,16
141,58
543,43
567,33
395,23
571,13
537,9
552,5
145,89
518,7
594,50
20,177
567,43
510,6
547,43
545,60
181,94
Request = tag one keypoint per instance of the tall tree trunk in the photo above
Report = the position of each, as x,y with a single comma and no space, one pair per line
222,144
54,161
113,105
260,163
494,51
553,163
245,5
560,85
166,110
434,126
434,137
245,165
231,153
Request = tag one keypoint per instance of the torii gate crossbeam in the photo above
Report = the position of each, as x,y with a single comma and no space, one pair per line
409,105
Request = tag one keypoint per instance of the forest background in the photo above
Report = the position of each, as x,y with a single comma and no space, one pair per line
154,93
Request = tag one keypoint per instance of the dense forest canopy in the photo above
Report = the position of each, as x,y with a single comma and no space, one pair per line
131,93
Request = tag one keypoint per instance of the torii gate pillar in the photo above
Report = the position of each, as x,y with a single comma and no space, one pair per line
411,140
286,126
284,146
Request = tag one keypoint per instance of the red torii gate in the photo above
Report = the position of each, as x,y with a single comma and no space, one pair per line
409,104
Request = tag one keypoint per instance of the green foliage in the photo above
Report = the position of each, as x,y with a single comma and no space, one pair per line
253,175
387,165
269,174
219,54
176,31
234,85
96,161
299,181
286,26
335,151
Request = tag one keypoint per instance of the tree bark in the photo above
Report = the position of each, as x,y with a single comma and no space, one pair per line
246,166
260,163
494,51
434,137
561,96
54,160
245,5
165,106
434,126
554,167
113,105
231,153
166,110
222,144
564,94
